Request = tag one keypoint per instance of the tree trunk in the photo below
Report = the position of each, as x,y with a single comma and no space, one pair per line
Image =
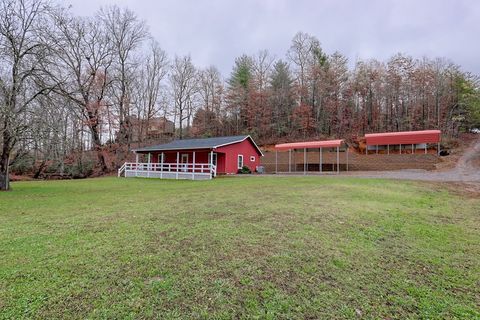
93,117
4,170
180,124
99,150
5,160
4,181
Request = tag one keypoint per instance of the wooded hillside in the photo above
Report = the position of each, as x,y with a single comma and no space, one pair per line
71,86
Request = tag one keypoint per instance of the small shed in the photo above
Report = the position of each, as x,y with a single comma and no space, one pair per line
195,159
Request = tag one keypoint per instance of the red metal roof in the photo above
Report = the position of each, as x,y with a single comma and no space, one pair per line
309,144
404,137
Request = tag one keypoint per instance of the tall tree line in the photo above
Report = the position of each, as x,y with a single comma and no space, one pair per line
71,88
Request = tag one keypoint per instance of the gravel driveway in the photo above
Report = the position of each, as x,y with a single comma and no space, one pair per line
466,170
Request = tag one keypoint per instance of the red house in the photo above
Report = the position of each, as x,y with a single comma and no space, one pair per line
195,158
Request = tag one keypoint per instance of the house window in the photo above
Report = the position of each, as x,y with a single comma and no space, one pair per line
252,158
161,157
184,158
240,161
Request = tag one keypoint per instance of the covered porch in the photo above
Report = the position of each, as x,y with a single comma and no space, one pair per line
174,164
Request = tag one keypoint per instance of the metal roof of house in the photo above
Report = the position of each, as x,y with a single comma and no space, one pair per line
309,144
403,137
201,143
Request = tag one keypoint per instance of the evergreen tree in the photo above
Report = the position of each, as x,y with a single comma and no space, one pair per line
238,92
282,98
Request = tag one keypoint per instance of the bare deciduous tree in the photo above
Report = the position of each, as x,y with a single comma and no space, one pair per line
126,32
210,89
149,90
21,52
80,70
183,80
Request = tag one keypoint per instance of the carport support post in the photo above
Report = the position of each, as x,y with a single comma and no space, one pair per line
289,160
338,160
425,148
412,149
333,163
276,161
193,166
388,149
137,156
178,160
400,148
294,153
321,159
304,161
346,152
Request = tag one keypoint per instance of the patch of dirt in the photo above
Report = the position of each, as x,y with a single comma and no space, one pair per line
153,280
469,189
466,169
456,149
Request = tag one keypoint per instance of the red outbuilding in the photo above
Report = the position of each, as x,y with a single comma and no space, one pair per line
403,139
195,158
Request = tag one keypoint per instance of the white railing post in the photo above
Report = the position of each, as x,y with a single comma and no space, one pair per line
122,168
193,166
178,159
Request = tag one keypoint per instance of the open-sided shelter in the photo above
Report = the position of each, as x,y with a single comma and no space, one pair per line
402,140
307,146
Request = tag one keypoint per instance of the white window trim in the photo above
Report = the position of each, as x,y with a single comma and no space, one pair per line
252,158
238,161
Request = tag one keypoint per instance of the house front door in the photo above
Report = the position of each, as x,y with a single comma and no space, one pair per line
214,159
184,162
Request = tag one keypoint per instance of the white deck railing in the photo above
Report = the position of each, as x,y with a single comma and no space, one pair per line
168,170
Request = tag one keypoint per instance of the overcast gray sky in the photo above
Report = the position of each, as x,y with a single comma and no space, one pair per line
217,31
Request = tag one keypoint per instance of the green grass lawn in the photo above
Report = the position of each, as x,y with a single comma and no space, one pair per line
257,248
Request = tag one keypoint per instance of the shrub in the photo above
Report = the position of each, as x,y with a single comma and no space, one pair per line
80,169
22,165
244,170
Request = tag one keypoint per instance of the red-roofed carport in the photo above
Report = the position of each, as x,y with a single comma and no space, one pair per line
326,144
413,138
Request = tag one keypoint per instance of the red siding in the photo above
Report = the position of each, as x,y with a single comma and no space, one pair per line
221,162
245,148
